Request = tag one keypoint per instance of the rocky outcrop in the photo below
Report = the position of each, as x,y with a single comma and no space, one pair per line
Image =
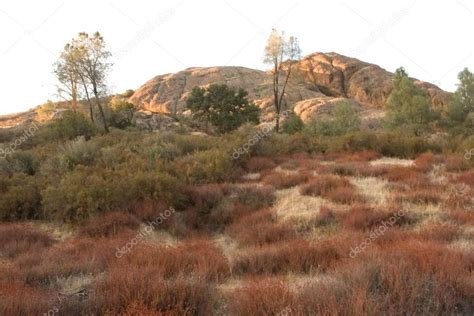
168,93
146,120
340,76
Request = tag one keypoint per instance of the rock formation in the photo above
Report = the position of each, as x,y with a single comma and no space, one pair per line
319,81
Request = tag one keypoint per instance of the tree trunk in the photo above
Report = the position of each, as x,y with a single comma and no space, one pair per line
277,122
276,96
101,110
91,112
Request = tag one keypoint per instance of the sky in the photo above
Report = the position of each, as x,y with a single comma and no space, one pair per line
432,39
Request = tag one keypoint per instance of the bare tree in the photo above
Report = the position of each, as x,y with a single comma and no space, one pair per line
279,48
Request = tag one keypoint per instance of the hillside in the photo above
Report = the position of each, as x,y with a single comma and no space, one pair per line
320,81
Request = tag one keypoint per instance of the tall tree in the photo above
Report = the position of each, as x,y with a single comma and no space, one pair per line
408,106
94,66
280,48
65,71
461,105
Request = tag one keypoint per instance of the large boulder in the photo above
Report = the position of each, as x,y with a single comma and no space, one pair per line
340,76
168,93
318,80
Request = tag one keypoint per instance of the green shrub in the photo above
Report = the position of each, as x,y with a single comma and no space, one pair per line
70,126
344,120
213,165
223,107
78,152
19,162
88,191
293,124
20,197
408,107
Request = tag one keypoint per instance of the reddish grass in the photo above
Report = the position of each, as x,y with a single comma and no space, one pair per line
110,225
456,164
125,290
322,185
366,155
409,278
260,228
466,177
336,189
17,239
147,210
326,216
197,258
19,299
440,233
214,211
258,164
419,196
425,161
363,217
280,180
261,296
78,256
461,216
292,256
408,176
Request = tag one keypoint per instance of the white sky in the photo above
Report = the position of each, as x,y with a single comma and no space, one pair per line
432,39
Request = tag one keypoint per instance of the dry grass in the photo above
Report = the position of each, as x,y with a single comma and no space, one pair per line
336,189
277,244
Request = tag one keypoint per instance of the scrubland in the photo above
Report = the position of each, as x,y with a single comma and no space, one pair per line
362,224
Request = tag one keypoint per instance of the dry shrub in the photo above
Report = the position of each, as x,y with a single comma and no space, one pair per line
346,168
326,216
406,278
17,239
456,164
147,210
461,216
439,232
419,196
17,298
466,177
363,217
213,211
110,224
260,228
261,296
170,280
322,185
336,189
290,256
426,161
280,180
408,176
256,197
205,197
196,257
80,256
345,195
366,155
258,164
124,290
